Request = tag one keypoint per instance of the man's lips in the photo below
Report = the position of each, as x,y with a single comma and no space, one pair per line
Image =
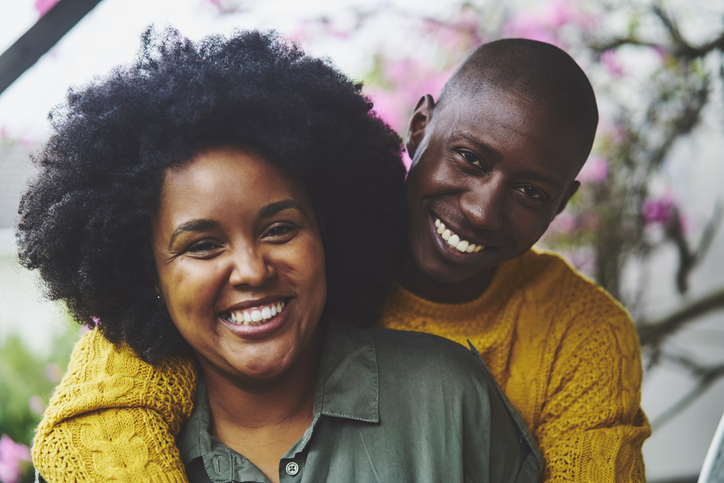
454,240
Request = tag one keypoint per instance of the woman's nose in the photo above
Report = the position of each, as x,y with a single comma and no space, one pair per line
484,202
250,267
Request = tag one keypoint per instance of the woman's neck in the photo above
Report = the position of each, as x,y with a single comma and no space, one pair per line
262,421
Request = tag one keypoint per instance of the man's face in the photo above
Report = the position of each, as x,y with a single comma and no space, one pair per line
494,170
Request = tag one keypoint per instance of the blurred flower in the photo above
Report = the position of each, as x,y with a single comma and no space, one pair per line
96,321
659,210
545,22
53,372
594,171
610,60
43,6
406,159
227,6
564,224
11,455
390,108
36,404
410,80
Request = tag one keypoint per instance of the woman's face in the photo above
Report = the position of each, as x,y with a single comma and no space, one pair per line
240,263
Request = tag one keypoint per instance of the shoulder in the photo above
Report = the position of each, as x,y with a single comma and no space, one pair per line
420,352
550,281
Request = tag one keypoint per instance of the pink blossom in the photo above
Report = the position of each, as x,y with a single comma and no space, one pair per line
96,321
390,108
659,210
564,224
53,372
610,60
544,22
36,404
11,456
594,171
406,159
43,6
411,80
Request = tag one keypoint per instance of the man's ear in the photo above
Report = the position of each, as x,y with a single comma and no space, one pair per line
572,188
421,117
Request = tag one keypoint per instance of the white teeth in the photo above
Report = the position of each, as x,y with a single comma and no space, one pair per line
256,315
454,240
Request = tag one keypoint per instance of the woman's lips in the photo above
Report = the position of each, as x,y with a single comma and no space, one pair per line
255,315
236,320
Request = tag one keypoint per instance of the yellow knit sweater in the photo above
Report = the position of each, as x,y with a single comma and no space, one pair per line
563,350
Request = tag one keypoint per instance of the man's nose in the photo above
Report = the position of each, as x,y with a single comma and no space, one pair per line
250,267
484,202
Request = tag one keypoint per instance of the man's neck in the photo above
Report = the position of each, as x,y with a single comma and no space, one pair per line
410,277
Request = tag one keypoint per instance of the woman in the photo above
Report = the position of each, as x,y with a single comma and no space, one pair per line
233,200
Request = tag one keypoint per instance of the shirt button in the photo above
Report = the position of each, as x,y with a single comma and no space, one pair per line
292,468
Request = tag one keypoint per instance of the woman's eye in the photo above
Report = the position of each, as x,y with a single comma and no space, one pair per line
531,192
471,158
280,233
202,247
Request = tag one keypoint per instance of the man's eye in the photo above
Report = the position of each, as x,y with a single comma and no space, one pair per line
471,158
531,192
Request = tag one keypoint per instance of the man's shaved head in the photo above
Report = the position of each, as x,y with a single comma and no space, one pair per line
538,71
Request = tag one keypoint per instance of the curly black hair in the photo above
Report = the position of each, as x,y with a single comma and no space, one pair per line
85,220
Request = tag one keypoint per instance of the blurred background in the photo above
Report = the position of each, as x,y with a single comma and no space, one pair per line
645,225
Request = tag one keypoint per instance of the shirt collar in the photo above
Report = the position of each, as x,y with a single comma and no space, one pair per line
348,388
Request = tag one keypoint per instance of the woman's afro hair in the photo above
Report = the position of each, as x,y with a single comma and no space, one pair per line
85,220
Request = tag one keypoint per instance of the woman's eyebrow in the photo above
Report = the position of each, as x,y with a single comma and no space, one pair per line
193,225
273,208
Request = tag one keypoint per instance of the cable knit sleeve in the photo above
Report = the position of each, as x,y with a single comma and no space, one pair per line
591,426
114,417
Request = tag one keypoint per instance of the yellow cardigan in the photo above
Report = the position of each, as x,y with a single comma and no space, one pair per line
563,350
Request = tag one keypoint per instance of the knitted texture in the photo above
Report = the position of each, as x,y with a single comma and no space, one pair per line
566,354
114,417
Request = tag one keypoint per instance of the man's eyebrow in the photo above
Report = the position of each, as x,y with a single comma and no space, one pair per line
193,225
273,208
479,144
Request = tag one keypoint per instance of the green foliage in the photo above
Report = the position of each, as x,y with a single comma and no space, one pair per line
27,381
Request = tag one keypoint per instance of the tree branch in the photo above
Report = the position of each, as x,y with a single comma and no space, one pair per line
653,333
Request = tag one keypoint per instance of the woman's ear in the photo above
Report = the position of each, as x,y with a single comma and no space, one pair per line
421,117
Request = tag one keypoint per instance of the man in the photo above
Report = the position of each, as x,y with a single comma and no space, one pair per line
493,162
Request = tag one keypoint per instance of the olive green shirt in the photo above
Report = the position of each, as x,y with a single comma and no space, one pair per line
390,406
